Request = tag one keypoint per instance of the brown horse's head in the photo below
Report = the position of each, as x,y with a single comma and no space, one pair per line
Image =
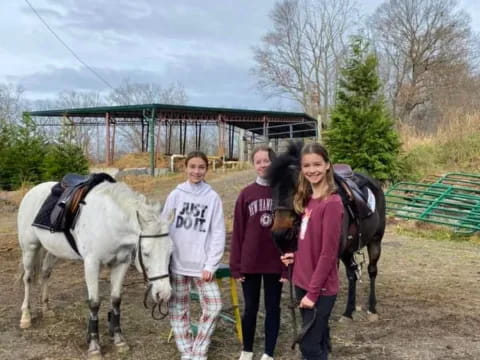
283,178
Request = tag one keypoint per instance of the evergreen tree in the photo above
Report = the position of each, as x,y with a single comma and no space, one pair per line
21,154
361,131
26,156
61,159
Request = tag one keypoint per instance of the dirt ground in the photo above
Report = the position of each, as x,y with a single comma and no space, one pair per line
428,295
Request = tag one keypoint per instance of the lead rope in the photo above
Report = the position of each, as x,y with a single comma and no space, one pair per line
292,306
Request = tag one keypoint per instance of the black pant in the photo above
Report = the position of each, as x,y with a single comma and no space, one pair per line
272,288
315,343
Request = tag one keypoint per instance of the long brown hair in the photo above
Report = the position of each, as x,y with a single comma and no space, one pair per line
304,189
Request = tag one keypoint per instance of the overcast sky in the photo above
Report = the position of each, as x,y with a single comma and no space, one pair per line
205,45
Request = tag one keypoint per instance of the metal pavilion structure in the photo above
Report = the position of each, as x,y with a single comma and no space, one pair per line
268,126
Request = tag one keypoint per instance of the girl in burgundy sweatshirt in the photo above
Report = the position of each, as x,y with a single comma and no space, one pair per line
315,272
253,257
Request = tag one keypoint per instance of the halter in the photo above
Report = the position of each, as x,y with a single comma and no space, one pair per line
150,280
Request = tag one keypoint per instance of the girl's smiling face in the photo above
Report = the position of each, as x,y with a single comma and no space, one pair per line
261,162
196,170
314,168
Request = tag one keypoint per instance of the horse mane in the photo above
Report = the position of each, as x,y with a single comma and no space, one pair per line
282,164
126,198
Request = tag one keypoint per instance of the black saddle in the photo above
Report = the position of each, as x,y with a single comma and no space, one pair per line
72,180
61,209
353,190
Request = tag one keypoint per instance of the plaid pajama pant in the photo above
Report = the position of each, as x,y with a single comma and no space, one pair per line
179,307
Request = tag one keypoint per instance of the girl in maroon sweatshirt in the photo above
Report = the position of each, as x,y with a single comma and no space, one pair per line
315,272
253,257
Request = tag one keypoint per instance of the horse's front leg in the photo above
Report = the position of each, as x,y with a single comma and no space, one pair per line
92,270
116,279
350,268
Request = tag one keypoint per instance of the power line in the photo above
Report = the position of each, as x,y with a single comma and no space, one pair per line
68,48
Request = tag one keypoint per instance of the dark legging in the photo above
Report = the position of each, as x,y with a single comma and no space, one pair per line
272,288
315,343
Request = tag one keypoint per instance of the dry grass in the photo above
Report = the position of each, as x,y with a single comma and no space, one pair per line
455,147
457,128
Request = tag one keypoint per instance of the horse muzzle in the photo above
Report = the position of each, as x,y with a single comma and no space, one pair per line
161,290
285,239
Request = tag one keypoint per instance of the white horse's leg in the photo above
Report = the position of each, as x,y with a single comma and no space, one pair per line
116,280
29,258
47,266
92,270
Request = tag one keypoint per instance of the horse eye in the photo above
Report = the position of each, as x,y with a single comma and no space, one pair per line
145,254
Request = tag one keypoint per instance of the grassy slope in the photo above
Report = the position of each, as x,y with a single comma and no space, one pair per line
454,154
452,150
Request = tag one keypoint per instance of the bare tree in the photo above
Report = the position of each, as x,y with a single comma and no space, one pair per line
144,93
421,44
301,56
11,103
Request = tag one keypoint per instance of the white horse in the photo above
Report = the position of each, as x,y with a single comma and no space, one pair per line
114,222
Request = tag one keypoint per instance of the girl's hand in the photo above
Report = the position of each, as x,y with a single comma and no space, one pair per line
207,275
287,259
306,303
241,279
283,280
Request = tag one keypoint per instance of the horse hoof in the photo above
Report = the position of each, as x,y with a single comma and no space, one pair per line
25,324
345,319
372,317
94,355
122,347
358,308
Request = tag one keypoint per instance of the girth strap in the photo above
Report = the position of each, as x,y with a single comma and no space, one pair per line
71,241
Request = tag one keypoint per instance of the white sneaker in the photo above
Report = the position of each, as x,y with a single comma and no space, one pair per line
245,355
266,357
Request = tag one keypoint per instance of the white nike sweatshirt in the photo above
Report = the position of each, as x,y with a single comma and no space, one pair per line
198,229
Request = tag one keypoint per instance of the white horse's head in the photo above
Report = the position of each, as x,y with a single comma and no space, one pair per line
154,250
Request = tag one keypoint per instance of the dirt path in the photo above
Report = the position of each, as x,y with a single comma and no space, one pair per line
428,298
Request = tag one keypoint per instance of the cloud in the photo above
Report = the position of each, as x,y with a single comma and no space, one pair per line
218,84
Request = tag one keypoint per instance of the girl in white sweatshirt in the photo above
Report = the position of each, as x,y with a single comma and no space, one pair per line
198,234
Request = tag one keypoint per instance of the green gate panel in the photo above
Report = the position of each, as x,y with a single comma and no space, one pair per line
451,200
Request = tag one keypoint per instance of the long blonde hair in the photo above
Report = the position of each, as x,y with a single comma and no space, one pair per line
304,189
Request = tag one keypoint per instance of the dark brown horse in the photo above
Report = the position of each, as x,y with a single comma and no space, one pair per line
359,229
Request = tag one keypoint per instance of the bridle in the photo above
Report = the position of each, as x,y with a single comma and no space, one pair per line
150,280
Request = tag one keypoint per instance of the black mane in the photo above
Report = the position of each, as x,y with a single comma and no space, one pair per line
285,165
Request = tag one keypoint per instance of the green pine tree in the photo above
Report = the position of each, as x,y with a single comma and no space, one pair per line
361,131
62,159
26,156
21,154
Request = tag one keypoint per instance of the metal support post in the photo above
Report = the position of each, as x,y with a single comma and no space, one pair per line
151,143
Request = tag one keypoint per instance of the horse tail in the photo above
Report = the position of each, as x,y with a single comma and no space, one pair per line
36,267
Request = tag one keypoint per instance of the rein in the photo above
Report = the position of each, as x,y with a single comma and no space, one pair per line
297,336
150,280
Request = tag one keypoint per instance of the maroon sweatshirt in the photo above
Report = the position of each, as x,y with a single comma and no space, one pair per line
252,249
316,265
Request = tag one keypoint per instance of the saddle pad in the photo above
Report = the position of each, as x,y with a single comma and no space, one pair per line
371,201
42,220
